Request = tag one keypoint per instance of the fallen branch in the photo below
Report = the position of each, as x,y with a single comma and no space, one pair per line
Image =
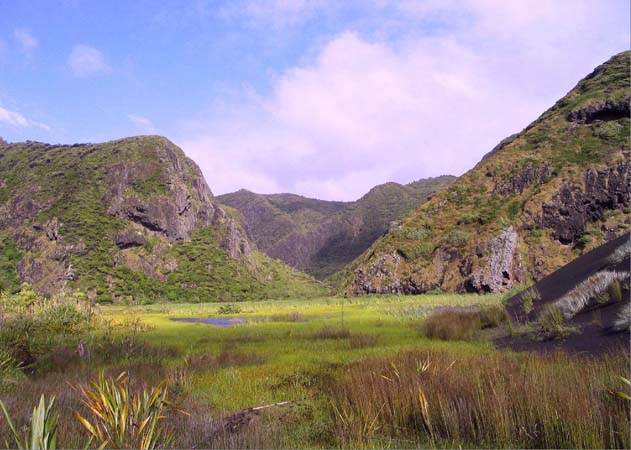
240,419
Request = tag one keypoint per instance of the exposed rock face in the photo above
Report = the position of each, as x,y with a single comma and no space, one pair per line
129,238
503,266
526,177
575,206
606,110
537,201
380,277
132,218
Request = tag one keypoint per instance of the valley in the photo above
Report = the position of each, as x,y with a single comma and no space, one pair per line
490,310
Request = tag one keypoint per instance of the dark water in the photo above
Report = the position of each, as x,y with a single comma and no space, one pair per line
217,321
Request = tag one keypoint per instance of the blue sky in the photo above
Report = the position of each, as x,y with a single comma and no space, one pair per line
322,98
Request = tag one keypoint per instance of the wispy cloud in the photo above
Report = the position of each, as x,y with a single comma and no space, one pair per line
85,61
16,119
275,13
25,39
142,123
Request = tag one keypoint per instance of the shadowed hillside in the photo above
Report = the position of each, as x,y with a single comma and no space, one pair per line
318,236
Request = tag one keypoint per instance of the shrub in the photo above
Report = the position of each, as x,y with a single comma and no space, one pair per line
457,238
229,308
452,325
492,316
553,324
528,298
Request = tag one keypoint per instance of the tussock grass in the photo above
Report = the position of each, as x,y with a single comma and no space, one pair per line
552,324
578,298
623,318
442,399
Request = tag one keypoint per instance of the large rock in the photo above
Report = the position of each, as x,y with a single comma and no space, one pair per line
502,269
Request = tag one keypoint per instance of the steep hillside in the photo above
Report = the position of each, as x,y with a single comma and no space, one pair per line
126,219
537,201
318,236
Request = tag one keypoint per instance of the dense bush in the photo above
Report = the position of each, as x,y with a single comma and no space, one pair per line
31,325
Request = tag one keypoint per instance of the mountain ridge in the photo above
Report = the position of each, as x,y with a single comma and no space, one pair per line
536,201
131,218
320,236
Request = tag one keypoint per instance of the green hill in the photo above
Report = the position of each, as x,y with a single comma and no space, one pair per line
537,201
321,237
131,219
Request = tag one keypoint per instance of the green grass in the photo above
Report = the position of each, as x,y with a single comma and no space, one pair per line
288,350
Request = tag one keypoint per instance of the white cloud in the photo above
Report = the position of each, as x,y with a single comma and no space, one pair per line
25,39
141,123
85,61
366,111
16,119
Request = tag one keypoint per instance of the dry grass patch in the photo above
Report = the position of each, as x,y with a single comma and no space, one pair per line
362,341
452,325
440,399
331,333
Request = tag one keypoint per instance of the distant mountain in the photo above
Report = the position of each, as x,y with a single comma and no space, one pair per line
131,219
538,200
320,237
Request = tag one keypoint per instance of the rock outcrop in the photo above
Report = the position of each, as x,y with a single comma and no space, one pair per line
604,110
539,199
128,219
578,204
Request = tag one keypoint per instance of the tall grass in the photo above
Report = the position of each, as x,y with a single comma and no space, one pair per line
438,399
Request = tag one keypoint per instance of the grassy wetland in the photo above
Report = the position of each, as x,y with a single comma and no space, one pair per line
374,372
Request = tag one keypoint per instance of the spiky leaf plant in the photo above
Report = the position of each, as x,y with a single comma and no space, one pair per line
121,419
43,427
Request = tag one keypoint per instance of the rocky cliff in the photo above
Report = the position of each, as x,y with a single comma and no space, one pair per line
538,200
320,237
128,219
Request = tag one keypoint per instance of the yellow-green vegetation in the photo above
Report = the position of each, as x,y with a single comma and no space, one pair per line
327,372
447,242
